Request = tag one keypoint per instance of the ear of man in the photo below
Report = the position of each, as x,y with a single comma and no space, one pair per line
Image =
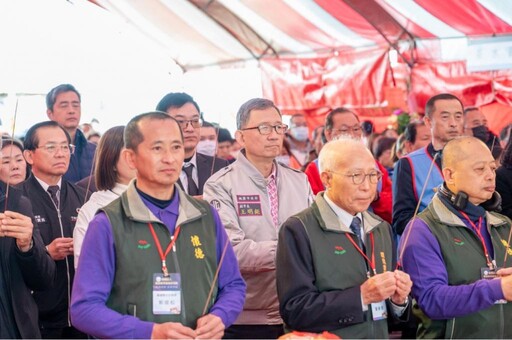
28,156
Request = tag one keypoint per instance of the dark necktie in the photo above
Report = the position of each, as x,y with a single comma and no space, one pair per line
53,190
355,226
192,187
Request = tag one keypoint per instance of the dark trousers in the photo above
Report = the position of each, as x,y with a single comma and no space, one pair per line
253,332
62,333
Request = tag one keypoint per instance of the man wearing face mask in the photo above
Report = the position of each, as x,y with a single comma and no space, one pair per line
298,140
208,139
475,124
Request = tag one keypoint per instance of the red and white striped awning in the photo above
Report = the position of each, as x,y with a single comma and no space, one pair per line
199,33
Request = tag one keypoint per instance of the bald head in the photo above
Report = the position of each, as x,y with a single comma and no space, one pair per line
468,166
460,149
341,152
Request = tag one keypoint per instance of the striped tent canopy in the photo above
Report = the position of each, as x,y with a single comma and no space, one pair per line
318,54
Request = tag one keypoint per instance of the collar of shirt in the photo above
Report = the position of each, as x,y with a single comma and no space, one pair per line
46,186
195,176
343,217
168,215
273,175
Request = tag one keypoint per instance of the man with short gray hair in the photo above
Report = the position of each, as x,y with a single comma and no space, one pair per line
336,260
254,195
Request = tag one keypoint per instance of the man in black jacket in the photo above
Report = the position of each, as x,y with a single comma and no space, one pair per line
55,203
63,104
197,168
24,266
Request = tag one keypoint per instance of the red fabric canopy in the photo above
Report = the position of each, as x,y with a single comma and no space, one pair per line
319,54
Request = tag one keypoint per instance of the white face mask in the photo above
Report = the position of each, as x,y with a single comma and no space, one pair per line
300,133
285,159
207,147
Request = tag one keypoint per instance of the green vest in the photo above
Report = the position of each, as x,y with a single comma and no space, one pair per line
137,257
463,256
338,265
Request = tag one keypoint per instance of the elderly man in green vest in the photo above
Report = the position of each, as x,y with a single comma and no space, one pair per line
156,262
336,260
455,248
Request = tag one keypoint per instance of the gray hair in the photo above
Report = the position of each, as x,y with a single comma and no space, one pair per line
244,112
333,151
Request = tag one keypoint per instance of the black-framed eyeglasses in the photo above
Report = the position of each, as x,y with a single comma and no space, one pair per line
359,177
196,123
266,129
52,148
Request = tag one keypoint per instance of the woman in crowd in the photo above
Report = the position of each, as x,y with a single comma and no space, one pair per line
112,176
14,167
504,180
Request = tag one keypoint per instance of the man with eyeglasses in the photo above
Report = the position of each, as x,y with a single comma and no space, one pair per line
197,167
63,104
254,195
336,260
55,204
345,122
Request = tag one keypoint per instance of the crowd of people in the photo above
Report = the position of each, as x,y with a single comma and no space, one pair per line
169,227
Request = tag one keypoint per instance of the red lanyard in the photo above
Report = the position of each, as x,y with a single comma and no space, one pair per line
370,263
479,233
159,246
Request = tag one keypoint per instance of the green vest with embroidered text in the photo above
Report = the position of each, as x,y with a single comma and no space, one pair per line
463,256
338,265
137,259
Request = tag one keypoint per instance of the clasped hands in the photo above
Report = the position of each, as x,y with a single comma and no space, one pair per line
17,226
394,285
208,327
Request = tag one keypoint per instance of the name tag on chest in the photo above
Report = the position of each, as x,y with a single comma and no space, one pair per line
379,311
248,205
166,294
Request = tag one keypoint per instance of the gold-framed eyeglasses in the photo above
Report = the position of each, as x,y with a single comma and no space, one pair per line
196,123
344,130
359,177
266,129
52,148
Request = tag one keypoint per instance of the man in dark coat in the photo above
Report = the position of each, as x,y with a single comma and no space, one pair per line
56,204
63,105
197,168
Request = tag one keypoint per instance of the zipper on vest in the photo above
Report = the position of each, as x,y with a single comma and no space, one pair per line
67,263
453,329
502,322
176,263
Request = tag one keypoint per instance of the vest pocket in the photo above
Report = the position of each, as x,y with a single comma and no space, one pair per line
132,309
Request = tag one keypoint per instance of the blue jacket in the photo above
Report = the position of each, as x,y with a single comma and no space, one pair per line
82,159
409,178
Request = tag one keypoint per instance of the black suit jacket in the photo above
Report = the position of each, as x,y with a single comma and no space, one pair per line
206,166
53,303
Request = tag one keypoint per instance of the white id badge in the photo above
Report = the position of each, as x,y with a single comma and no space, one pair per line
167,294
379,310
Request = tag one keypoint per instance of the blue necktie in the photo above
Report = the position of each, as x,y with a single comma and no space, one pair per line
355,226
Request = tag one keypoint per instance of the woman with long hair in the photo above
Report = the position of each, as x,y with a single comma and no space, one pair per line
112,175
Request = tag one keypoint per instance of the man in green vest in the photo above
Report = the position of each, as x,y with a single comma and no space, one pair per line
336,260
156,262
457,251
